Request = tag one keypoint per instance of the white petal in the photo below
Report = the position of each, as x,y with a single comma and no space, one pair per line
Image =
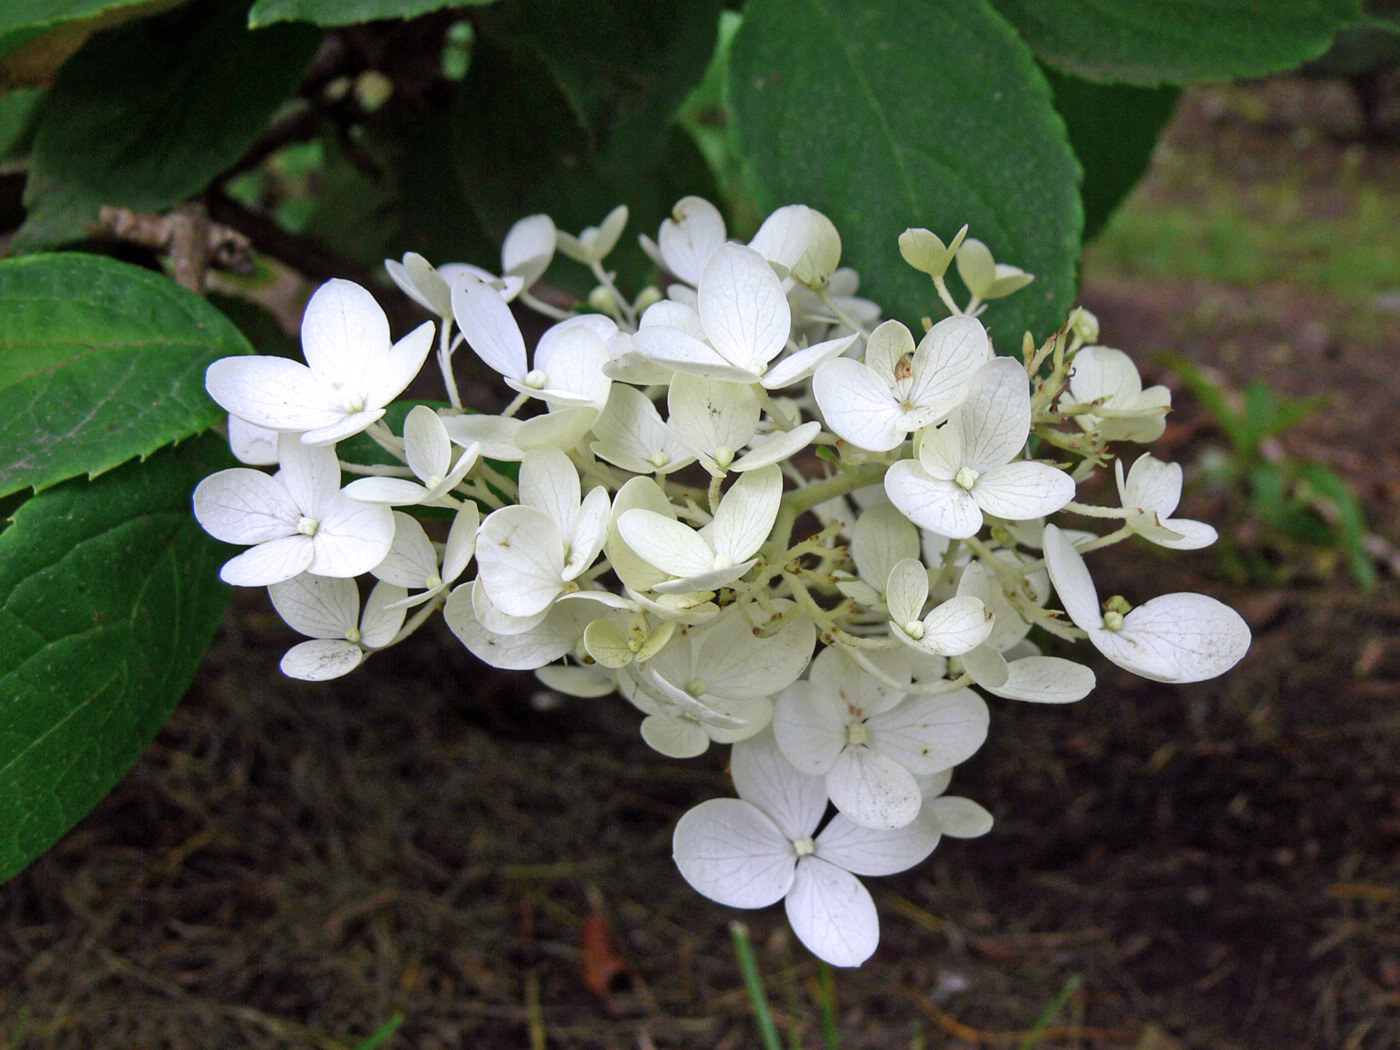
269,563
245,506
488,327
1072,581
955,626
636,573
1045,680
529,248
794,800
876,851
461,542
426,444
590,531
321,660
1150,485
391,372
735,664
561,428
311,474
411,560
743,307
572,356
675,737
251,444
383,615
679,351
785,235
273,393
1022,490
959,818
832,913
946,360
810,727
927,733
1201,637
746,513
937,505
498,437
586,682
799,365
707,414
540,645
873,789
906,591
1190,535
1101,371
987,666
353,537
686,239
344,334
858,406
520,560
880,538
705,581
777,447
666,543
883,350
391,492
317,606
996,417
731,852
549,483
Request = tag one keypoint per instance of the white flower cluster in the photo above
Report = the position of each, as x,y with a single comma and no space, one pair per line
618,549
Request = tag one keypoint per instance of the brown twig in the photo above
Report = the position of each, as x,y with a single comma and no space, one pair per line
186,235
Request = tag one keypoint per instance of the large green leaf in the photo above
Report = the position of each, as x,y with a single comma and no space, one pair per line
40,14
837,110
146,115
108,595
1113,129
1175,41
100,362
346,12
625,66
519,149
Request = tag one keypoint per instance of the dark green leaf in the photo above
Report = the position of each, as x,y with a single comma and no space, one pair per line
1113,129
520,150
16,120
1176,41
346,12
108,595
100,362
40,14
836,109
146,115
1347,518
624,67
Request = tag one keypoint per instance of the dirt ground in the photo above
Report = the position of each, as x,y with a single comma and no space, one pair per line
1215,866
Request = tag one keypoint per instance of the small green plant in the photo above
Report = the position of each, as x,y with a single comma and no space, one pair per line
1301,502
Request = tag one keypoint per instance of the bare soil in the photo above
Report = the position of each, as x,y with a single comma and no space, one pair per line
294,866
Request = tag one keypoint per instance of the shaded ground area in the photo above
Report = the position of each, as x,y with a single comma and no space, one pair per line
1219,865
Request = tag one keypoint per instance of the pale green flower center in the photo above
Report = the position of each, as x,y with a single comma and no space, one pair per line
914,629
857,734
804,847
659,459
723,561
724,455
353,635
308,526
695,687
536,379
965,478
